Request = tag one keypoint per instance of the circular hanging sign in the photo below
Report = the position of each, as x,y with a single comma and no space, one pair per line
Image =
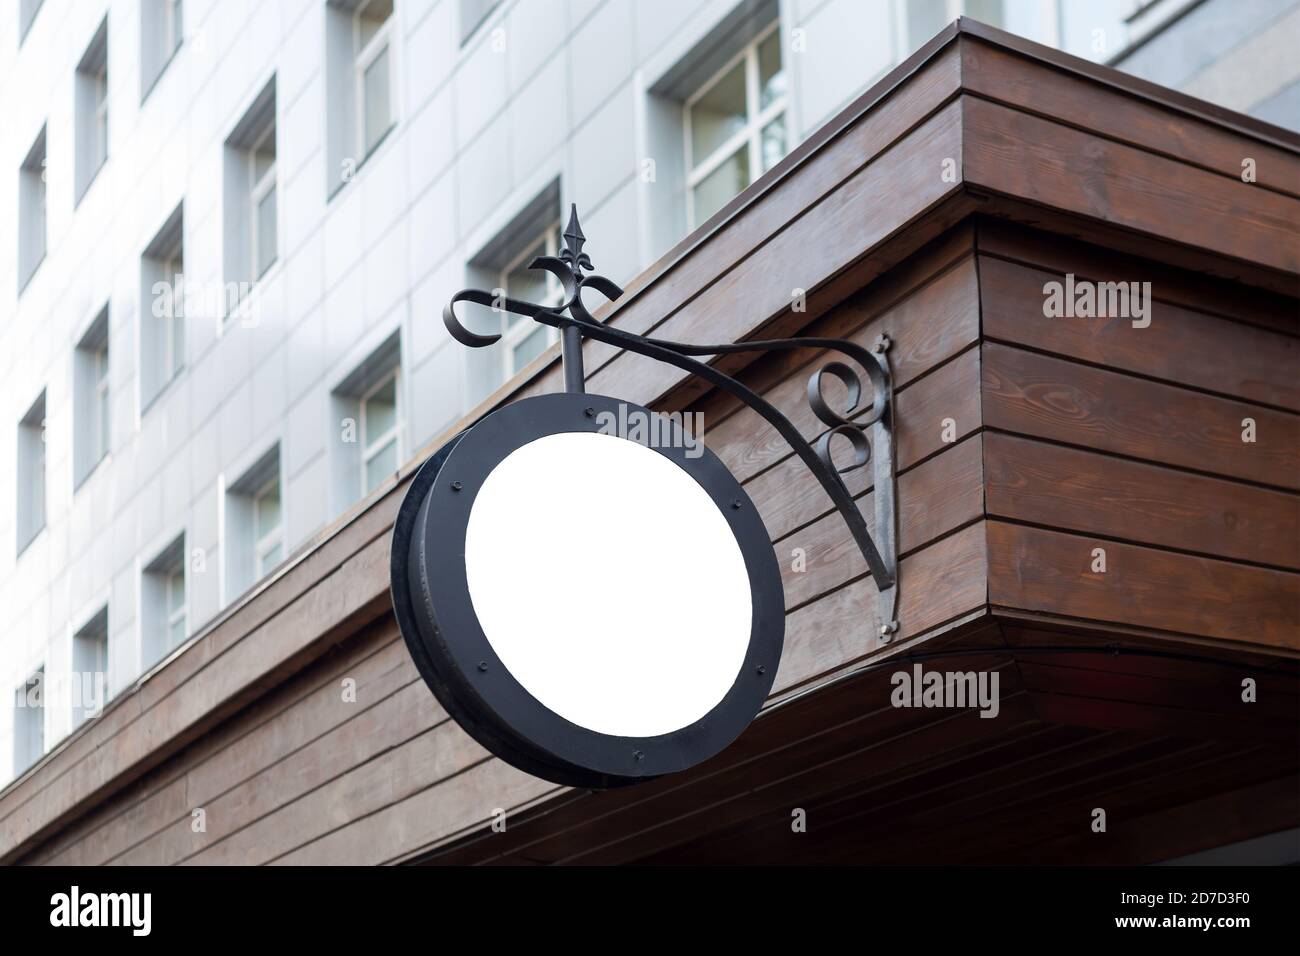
588,590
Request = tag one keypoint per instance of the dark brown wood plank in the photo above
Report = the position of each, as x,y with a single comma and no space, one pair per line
1277,674
1062,253
1218,694
1173,832
998,74
1143,248
1030,158
1180,346
1167,772
1032,394
1179,105
1147,718
1046,571
1091,493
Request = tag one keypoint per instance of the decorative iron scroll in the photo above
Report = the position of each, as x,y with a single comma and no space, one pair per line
852,424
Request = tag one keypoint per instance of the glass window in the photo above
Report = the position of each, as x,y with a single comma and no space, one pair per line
27,11
771,77
174,337
267,536
380,432
719,114
38,481
263,195
736,126
381,462
103,416
31,211
473,13
524,340
100,144
266,232
381,408
374,73
175,607
726,180
91,394
90,667
29,721
529,285
773,143
925,18
377,108
174,30
30,497
371,18
533,345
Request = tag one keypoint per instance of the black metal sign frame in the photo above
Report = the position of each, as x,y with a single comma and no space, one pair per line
429,580
434,609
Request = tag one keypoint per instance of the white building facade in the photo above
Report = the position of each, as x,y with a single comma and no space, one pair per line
231,225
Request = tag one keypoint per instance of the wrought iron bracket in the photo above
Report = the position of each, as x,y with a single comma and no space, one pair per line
868,429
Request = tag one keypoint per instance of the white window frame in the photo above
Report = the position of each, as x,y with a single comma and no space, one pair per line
361,60
44,212
181,614
755,122
173,27
35,481
547,244
38,478
30,471
103,397
37,725
101,118
266,541
173,351
40,234
100,640
370,446
258,192
99,665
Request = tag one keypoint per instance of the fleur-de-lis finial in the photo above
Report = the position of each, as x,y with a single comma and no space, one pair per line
573,242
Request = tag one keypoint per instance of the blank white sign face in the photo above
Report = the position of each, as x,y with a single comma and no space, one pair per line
609,583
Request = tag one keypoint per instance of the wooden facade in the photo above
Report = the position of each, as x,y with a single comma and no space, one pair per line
935,209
